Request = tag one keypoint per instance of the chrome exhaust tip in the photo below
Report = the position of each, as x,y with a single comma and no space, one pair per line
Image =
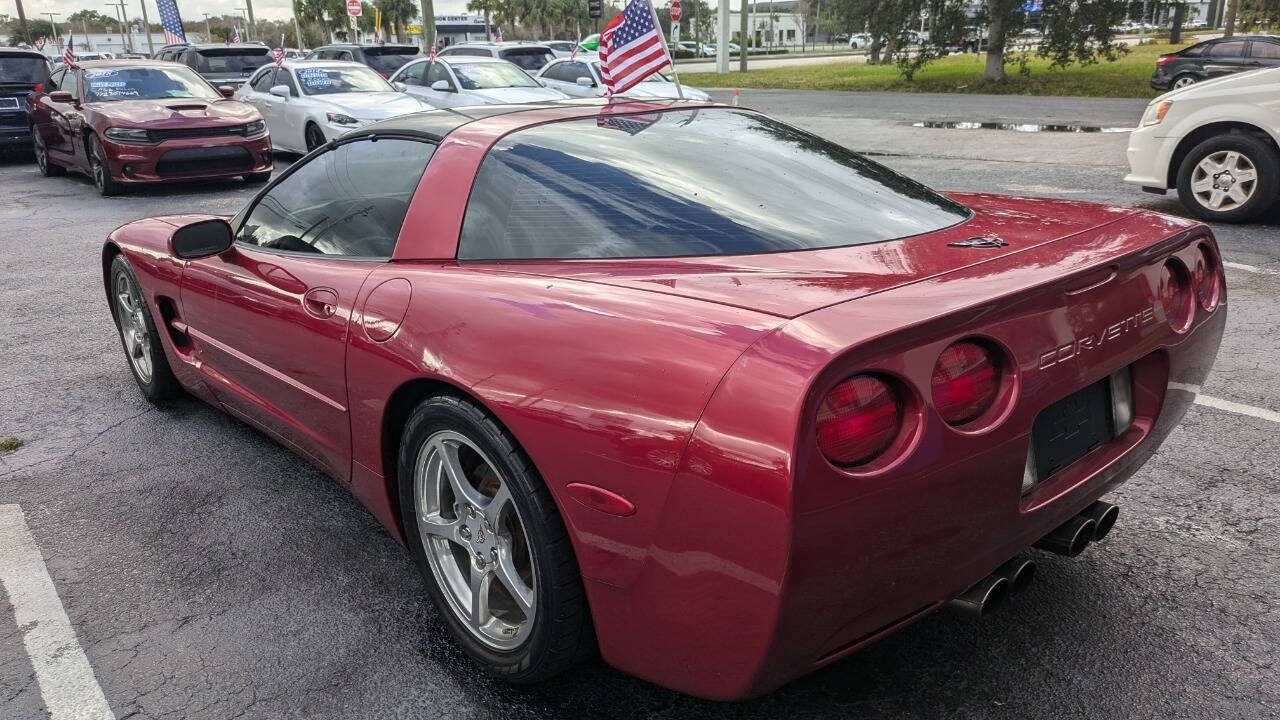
1019,572
1103,515
1070,538
983,597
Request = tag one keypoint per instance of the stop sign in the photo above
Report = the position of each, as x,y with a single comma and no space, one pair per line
675,10
353,8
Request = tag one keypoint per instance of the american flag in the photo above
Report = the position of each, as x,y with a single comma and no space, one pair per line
497,34
69,54
171,21
576,45
279,52
431,57
629,124
631,48
235,36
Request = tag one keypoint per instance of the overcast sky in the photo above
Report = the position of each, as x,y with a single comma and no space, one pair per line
192,10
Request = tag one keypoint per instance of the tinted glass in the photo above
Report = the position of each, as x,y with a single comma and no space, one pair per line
1194,50
388,60
413,74
19,70
231,60
485,76
332,80
1265,50
145,84
68,82
348,201
265,80
472,52
698,182
1235,48
575,70
437,73
528,58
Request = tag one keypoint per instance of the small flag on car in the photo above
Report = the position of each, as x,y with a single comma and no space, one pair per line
631,48
68,54
576,46
235,37
431,56
279,52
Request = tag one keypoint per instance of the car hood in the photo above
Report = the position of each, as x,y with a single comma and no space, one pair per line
1243,81
376,105
177,112
789,284
517,94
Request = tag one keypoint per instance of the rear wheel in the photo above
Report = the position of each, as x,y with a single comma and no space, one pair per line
138,335
1229,178
1183,81
47,167
488,539
257,178
313,136
100,170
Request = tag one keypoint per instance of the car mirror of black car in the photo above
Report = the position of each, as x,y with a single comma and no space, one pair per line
280,91
201,239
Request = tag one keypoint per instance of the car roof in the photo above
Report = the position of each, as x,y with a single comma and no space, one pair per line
126,63
502,45
471,59
582,56
366,46
303,63
21,52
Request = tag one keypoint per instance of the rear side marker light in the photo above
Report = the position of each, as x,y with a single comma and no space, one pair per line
966,381
1207,279
858,419
1175,295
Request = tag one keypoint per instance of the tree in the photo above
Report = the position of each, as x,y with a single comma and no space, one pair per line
487,7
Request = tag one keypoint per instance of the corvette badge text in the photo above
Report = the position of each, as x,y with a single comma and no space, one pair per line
1093,341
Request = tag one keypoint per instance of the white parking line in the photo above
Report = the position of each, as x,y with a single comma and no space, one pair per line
67,683
1228,405
1250,268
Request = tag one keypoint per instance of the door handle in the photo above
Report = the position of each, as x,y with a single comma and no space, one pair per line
320,302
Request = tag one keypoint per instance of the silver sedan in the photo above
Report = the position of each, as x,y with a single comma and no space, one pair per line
580,77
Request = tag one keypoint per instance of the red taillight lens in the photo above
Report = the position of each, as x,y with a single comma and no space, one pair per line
1164,60
966,380
38,87
858,419
1206,278
1175,295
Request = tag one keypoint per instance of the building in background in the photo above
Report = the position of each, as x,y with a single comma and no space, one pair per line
451,29
770,24
110,42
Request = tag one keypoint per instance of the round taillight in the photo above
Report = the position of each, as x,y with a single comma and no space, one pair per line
1175,294
1206,278
858,419
966,380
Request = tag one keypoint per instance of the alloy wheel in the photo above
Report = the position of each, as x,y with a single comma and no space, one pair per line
42,156
475,540
133,327
314,138
1224,180
1183,81
98,166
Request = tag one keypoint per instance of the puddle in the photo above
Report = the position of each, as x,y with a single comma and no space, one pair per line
1016,127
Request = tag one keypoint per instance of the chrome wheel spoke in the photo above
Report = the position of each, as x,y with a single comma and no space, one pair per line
1202,185
1238,195
1245,174
441,527
510,579
1216,197
451,466
493,508
481,581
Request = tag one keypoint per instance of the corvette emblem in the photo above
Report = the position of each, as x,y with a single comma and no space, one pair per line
990,240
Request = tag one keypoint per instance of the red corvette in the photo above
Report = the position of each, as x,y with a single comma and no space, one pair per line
126,122
676,380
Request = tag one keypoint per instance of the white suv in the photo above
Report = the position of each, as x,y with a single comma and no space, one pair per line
530,57
1217,142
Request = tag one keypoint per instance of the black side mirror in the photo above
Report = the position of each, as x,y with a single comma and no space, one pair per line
202,239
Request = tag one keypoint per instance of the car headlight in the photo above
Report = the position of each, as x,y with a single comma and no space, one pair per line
128,135
255,128
1155,112
341,119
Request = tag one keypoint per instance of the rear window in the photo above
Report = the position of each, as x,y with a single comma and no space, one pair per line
231,60
388,60
530,58
22,70
680,183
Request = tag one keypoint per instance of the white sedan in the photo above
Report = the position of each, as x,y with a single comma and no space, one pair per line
307,103
580,77
1216,142
465,80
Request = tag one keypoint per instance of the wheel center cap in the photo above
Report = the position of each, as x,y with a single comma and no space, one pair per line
482,539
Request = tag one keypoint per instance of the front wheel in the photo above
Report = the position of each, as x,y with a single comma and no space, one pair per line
138,335
101,171
314,136
487,537
1229,178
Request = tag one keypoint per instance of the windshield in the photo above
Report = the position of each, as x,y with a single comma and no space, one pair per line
333,80
681,183
387,60
484,76
231,60
23,70
150,83
527,58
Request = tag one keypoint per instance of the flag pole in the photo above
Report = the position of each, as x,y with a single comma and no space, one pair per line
671,59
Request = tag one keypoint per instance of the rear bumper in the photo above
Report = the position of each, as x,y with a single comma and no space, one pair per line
770,563
189,159
13,136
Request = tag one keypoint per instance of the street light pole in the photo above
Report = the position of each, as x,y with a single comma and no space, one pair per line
22,22
116,9
208,35
248,4
245,15
146,28
57,39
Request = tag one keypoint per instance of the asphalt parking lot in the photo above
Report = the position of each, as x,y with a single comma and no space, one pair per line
207,572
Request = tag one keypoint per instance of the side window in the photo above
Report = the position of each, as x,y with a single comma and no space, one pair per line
556,71
344,55
55,80
412,74
264,80
1232,49
436,73
286,78
68,83
349,201
1265,50
576,70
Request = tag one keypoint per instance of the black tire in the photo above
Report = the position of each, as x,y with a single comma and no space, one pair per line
48,168
100,171
161,385
1261,155
257,178
561,634
313,136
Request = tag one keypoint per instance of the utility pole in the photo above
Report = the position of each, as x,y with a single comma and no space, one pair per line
57,39
742,37
85,24
428,24
208,36
722,33
248,4
297,30
22,22
146,28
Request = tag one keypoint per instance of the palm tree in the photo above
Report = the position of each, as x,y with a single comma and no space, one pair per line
486,7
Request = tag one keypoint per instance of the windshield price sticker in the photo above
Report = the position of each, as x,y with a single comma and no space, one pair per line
89,74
